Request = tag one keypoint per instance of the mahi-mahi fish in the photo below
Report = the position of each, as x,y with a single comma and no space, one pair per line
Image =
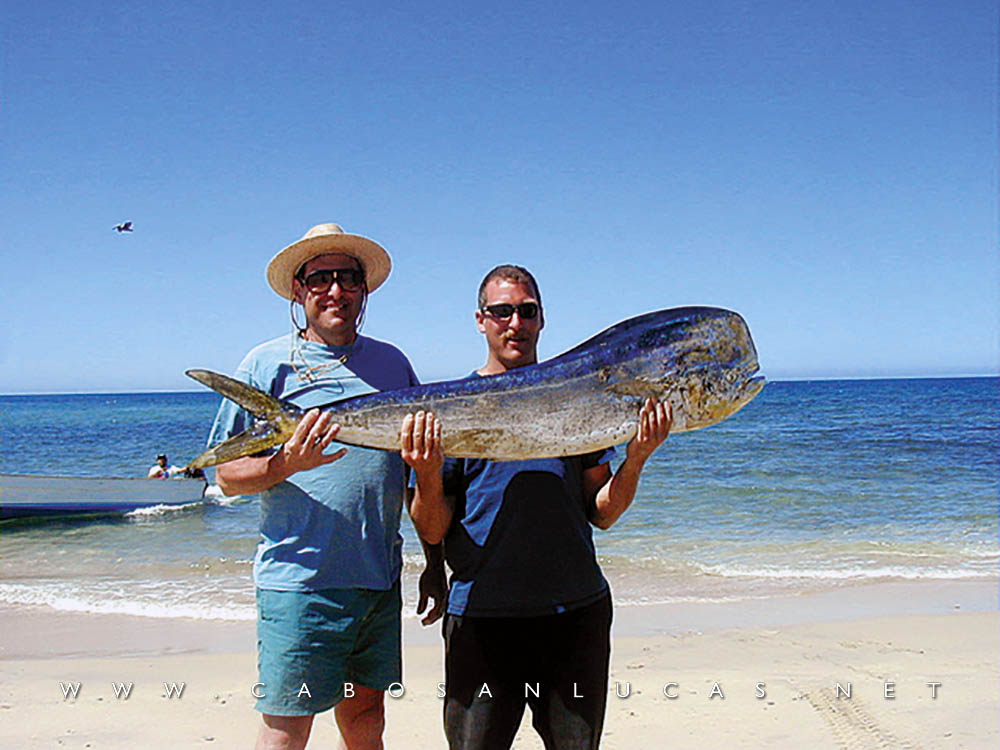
699,359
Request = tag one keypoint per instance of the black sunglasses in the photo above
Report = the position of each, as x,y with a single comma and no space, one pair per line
318,282
526,310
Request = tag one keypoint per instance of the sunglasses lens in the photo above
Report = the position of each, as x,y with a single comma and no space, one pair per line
526,310
319,281
349,279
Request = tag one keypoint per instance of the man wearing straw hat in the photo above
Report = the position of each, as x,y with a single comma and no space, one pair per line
328,564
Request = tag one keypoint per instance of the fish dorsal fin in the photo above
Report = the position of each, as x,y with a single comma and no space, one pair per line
255,401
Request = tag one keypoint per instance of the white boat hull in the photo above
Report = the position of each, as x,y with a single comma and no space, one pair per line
25,495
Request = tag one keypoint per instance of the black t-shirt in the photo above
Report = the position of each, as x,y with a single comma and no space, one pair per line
520,543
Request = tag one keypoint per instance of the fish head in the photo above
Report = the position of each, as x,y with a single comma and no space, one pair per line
714,369
704,401
701,360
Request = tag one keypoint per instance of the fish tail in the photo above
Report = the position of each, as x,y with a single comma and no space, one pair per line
252,399
276,425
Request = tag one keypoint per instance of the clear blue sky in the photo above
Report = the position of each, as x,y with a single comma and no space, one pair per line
828,169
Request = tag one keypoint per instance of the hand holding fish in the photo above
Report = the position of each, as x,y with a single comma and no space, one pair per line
655,421
304,450
301,451
420,446
420,443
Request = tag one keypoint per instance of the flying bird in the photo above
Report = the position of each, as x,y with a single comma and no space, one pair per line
125,226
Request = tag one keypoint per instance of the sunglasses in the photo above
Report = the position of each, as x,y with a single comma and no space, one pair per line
526,310
319,282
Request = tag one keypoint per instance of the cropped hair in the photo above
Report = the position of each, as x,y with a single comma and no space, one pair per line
509,272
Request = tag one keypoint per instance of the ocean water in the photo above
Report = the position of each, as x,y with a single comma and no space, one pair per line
813,486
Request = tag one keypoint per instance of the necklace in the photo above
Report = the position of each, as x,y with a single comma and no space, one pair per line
313,373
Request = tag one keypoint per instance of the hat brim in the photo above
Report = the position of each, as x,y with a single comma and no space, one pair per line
372,256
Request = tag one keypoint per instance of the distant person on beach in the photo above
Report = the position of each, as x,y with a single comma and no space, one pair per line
160,470
529,611
328,563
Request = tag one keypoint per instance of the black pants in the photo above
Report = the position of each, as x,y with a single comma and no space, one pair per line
556,664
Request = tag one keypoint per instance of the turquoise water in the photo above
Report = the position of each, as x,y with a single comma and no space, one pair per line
814,485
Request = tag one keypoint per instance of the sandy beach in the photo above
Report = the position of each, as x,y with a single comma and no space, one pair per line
919,661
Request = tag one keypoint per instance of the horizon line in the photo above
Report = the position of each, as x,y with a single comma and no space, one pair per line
790,379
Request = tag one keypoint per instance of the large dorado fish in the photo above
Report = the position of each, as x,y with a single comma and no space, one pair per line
700,359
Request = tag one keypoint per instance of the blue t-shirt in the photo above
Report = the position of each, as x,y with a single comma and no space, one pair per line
520,542
335,526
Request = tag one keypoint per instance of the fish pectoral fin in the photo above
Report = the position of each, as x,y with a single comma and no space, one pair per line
252,399
638,388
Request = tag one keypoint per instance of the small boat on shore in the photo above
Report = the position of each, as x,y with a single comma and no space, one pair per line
30,496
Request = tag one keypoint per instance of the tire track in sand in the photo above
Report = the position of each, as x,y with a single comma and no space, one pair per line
852,725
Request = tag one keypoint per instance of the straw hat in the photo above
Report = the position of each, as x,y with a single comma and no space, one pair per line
322,239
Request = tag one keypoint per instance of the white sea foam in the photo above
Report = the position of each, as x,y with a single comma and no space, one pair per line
985,554
214,492
645,600
843,574
203,604
160,510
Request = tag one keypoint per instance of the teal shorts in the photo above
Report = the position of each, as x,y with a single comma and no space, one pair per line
310,643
